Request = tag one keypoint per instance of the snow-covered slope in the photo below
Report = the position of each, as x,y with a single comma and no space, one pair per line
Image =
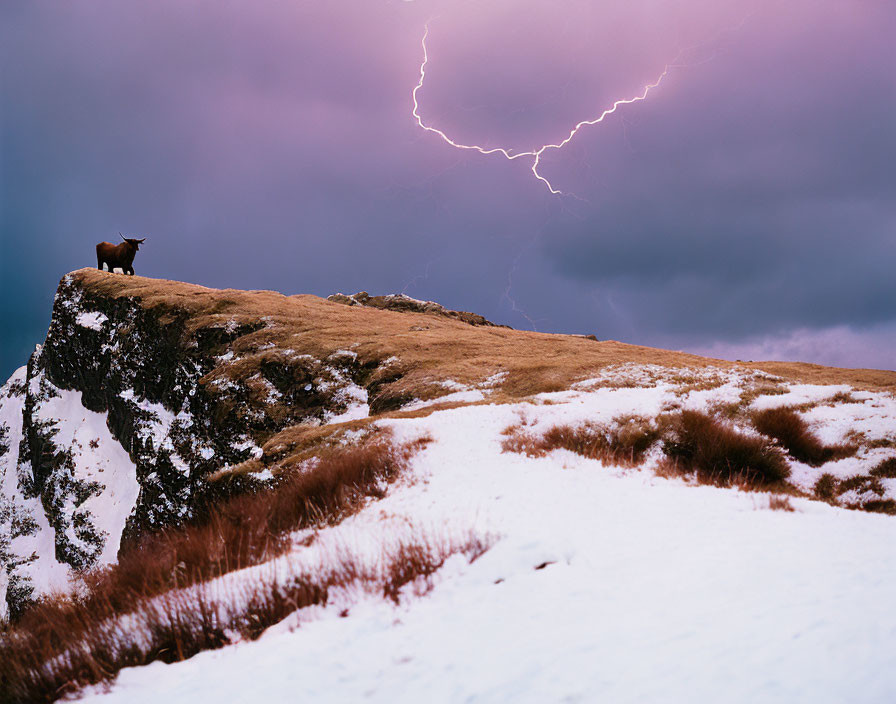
603,584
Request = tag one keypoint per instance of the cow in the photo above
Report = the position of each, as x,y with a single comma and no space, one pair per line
118,255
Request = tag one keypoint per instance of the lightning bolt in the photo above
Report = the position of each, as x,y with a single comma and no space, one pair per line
534,154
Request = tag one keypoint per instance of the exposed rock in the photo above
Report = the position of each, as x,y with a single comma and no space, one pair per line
405,304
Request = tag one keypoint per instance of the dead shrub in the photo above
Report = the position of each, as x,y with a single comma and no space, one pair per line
787,427
721,455
885,469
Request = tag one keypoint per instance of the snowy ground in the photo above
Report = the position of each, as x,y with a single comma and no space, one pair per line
96,462
605,584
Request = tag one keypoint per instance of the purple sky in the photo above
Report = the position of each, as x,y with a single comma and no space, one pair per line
745,209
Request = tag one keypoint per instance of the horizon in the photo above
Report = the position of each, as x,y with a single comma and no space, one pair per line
742,210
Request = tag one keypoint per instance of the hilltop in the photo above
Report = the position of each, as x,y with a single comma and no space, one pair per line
207,463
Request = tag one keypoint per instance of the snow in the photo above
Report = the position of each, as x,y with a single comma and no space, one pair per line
799,394
158,430
273,395
460,393
97,457
93,320
248,444
47,574
353,396
605,584
470,396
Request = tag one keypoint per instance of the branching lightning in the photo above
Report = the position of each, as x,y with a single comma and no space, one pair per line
534,154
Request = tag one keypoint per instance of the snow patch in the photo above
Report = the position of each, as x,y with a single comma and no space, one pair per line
97,457
92,320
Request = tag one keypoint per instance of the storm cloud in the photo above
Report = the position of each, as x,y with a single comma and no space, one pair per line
745,208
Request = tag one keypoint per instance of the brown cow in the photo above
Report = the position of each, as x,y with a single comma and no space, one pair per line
118,255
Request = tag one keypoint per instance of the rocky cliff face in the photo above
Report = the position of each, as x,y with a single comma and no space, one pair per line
120,415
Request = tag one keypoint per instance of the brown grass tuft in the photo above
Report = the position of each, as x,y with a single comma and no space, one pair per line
721,455
415,563
787,427
830,489
623,443
826,487
841,397
887,506
861,485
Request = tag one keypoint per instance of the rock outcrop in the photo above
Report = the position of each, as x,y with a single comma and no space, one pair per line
405,304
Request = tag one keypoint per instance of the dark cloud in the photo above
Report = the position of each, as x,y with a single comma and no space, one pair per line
749,197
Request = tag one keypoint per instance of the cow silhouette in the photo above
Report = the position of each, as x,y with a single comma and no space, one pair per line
118,255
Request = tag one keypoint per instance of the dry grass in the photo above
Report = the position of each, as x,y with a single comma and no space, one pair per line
718,454
763,388
887,506
428,347
829,488
227,535
622,443
874,444
841,397
690,383
861,484
44,661
296,445
414,562
860,379
787,427
826,487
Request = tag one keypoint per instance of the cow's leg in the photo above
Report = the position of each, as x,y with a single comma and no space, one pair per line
129,271
99,262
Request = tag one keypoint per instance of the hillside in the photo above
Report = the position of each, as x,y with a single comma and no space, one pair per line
245,457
